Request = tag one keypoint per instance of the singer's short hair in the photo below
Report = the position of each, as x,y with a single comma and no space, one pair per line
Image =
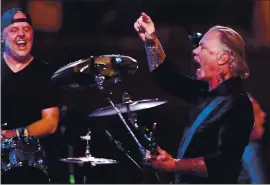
234,44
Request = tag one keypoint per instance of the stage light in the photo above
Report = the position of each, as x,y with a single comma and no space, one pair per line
46,15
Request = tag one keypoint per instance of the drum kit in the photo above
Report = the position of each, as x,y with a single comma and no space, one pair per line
22,154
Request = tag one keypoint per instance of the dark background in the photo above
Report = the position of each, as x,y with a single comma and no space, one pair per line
97,27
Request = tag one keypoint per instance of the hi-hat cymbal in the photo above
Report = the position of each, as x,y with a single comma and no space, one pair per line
134,106
83,72
92,160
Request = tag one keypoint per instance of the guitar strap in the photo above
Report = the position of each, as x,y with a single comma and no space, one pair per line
200,119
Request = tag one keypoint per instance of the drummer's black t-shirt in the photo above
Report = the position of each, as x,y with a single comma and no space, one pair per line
26,93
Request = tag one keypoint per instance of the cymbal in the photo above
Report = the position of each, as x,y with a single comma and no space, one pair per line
93,160
134,106
83,71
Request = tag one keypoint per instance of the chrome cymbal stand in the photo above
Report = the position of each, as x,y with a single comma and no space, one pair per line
132,118
87,137
100,79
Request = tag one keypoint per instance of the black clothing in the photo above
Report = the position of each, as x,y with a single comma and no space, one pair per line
25,93
222,137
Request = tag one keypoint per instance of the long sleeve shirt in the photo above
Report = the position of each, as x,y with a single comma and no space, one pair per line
222,137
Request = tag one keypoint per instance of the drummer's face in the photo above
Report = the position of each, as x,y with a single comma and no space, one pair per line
18,39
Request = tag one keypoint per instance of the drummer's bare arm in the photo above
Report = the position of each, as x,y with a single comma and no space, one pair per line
155,54
46,125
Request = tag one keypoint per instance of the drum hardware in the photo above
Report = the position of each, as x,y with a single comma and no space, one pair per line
22,157
126,103
132,117
88,161
87,137
120,147
84,71
133,106
98,71
100,81
88,158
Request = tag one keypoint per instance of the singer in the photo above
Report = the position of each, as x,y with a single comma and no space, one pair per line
222,120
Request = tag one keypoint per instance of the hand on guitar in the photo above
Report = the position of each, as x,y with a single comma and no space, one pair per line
160,159
157,157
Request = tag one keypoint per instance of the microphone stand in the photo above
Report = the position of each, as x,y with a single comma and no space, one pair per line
132,117
100,79
126,98
119,146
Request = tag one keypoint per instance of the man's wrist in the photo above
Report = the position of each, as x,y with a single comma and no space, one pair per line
26,132
151,38
175,168
19,132
151,41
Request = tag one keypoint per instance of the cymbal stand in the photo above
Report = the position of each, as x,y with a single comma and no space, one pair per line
99,80
120,147
126,98
87,137
132,117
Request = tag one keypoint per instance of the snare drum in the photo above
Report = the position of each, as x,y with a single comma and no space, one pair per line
23,161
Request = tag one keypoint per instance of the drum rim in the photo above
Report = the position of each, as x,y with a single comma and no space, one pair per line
45,172
11,143
9,166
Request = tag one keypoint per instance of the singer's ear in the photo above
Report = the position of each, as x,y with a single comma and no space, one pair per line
223,58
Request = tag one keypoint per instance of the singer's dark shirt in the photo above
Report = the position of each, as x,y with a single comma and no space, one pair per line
222,137
25,94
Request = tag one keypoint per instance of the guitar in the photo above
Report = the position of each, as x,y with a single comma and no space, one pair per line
151,145
151,176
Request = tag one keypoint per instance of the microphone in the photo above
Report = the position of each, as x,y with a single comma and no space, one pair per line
195,35
119,146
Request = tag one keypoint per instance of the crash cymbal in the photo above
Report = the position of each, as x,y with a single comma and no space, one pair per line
134,106
83,72
90,159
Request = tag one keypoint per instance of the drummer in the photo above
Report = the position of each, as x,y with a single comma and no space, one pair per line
29,106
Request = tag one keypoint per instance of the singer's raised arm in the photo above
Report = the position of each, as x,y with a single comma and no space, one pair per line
159,64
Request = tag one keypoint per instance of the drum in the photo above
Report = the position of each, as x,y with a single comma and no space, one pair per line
23,161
